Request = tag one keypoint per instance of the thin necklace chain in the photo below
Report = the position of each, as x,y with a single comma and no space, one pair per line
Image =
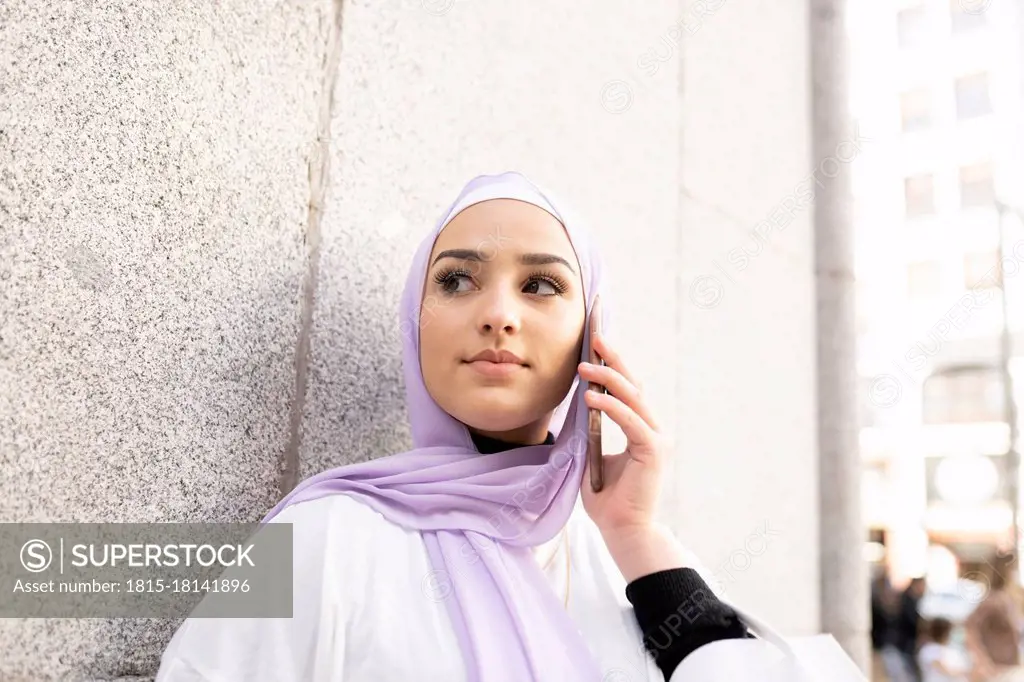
547,564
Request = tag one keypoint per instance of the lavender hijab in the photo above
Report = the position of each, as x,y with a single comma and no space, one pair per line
479,515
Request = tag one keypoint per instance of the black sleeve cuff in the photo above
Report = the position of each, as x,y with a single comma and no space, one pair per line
678,613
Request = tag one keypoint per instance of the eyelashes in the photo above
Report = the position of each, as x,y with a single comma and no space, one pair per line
446,277
557,283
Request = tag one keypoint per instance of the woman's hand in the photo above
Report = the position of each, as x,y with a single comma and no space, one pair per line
633,477
624,509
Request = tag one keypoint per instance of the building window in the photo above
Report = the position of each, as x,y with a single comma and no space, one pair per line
977,188
919,195
912,26
982,270
972,96
916,110
924,279
963,395
969,19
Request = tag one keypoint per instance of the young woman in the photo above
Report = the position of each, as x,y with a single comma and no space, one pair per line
484,553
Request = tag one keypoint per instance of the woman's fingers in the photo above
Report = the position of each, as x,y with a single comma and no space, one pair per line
621,388
637,431
612,358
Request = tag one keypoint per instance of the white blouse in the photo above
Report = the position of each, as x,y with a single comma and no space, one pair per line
365,609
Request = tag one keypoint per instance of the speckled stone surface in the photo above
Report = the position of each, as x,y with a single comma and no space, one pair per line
155,236
153,206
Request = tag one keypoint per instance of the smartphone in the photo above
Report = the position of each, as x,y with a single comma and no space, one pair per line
594,455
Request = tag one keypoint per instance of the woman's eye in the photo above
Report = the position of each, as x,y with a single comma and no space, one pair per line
534,286
451,283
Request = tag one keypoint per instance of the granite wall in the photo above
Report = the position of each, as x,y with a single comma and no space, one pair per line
207,212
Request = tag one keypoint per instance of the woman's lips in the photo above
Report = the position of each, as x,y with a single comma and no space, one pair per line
495,369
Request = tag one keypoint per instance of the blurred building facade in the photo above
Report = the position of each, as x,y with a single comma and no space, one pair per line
938,88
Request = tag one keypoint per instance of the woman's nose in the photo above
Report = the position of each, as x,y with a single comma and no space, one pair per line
499,314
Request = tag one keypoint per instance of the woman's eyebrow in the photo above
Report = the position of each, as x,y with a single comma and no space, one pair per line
525,259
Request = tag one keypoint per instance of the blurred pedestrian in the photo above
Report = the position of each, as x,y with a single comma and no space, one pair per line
888,663
904,629
937,660
879,620
993,630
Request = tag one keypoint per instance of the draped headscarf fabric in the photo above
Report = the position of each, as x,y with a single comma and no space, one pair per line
478,514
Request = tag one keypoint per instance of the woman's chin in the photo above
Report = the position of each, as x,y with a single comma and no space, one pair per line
494,414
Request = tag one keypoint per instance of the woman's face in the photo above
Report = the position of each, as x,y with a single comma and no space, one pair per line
502,276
